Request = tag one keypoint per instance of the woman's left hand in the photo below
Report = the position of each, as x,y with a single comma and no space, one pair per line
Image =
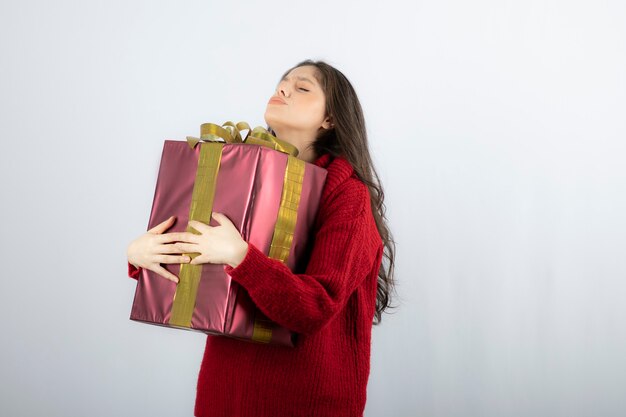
221,244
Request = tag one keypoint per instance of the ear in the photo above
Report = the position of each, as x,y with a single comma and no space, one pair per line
328,123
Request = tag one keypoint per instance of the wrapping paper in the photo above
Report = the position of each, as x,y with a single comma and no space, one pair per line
270,196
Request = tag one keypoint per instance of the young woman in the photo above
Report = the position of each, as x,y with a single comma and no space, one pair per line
333,305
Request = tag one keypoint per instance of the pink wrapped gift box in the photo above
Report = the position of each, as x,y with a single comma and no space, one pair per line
249,184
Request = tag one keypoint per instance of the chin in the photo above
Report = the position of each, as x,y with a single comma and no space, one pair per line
269,120
273,122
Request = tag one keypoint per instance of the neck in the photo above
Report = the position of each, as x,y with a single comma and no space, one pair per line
300,140
308,155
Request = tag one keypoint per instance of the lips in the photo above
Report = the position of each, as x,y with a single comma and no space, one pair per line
276,100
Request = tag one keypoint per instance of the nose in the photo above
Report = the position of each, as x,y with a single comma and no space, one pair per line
282,91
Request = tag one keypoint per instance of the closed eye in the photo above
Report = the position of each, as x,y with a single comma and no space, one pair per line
303,89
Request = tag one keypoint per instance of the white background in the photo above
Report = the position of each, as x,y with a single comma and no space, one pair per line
498,129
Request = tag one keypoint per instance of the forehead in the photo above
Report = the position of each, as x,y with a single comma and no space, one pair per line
304,73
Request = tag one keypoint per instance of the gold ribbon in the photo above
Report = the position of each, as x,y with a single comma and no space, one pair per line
200,209
230,132
202,205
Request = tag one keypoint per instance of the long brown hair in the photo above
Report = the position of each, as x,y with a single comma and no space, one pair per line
348,138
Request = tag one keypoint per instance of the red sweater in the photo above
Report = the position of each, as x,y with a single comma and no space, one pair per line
331,307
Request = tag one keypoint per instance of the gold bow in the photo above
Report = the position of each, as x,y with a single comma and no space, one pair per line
231,133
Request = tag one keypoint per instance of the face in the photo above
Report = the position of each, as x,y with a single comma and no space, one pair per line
297,110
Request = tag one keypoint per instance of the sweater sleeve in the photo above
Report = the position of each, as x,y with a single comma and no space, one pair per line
133,271
344,250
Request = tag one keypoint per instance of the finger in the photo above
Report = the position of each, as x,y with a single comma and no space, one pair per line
170,259
201,259
165,273
219,217
177,237
171,248
187,247
199,226
163,226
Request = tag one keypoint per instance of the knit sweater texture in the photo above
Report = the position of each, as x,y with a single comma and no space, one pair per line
330,306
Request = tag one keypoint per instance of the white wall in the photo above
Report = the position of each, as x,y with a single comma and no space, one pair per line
498,128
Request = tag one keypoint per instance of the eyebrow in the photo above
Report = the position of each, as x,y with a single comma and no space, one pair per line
286,77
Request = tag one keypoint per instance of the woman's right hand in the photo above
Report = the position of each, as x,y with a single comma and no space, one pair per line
150,250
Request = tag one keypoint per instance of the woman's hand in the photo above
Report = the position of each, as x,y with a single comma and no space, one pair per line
150,250
221,244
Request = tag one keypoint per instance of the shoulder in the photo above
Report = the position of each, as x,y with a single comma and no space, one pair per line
346,198
352,191
340,174
347,201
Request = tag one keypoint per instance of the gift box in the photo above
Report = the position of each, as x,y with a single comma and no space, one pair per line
271,197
